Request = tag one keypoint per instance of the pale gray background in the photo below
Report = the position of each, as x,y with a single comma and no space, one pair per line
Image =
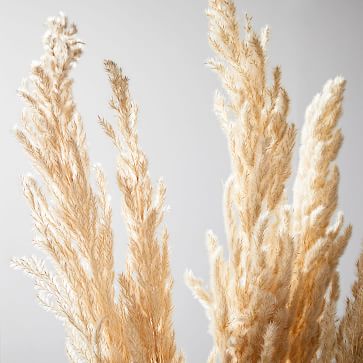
162,46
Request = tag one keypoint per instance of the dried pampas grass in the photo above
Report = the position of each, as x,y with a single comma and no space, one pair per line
73,219
273,299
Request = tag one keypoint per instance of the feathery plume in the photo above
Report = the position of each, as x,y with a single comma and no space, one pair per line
350,331
146,284
73,219
273,299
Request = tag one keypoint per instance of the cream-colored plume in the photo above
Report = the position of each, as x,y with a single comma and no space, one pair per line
273,298
73,219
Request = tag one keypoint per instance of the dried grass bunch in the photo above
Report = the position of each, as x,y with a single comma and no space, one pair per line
73,219
273,298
